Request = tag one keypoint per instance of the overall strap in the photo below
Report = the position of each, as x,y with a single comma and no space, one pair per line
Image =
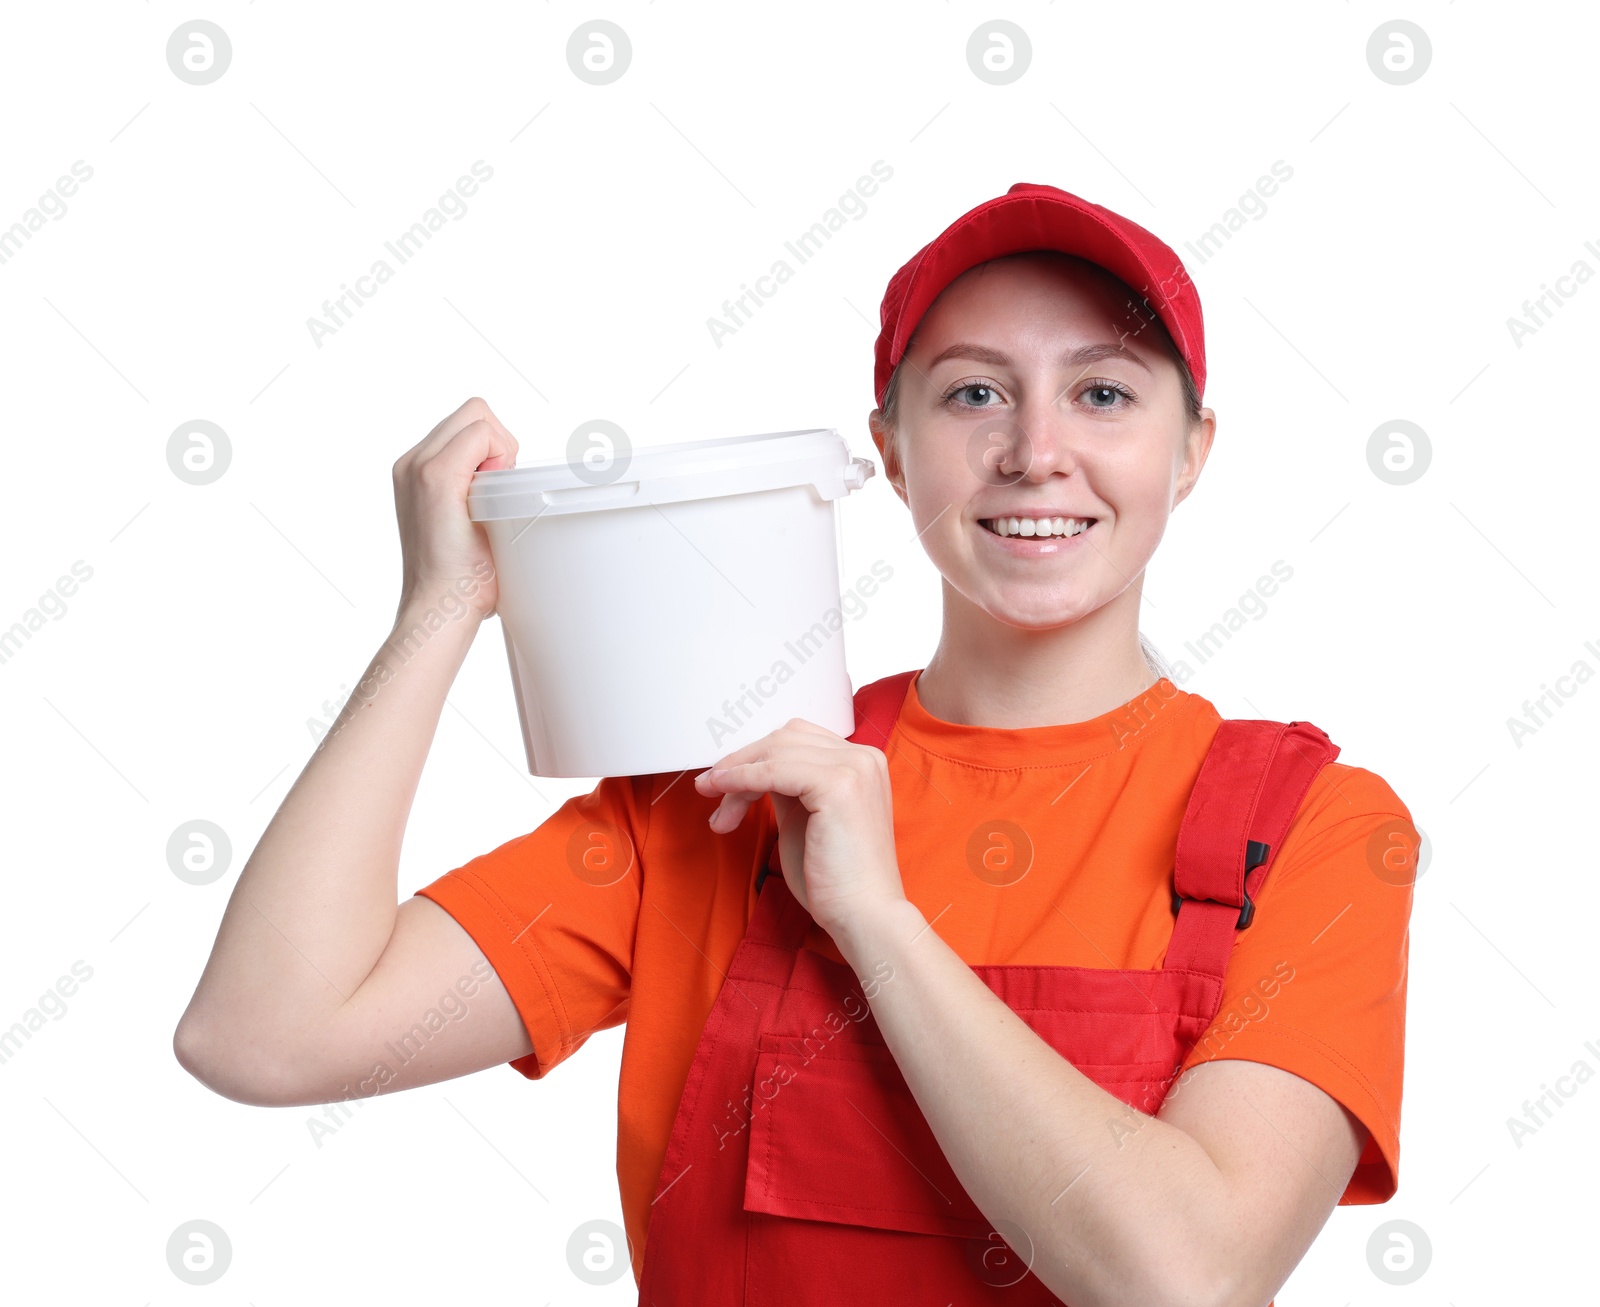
877,706
1249,789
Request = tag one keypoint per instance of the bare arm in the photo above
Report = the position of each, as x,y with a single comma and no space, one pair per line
315,971
1211,1202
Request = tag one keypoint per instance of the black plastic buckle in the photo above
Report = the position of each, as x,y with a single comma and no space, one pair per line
1255,853
767,869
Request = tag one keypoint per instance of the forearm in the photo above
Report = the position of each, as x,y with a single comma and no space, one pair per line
315,904
1118,1205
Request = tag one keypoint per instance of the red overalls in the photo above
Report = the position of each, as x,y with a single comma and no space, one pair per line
800,1169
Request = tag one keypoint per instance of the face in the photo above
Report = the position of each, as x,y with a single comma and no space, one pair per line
1032,392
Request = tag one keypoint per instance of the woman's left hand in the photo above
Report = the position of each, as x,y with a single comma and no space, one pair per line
835,817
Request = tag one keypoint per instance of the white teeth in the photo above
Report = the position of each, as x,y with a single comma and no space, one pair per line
1042,526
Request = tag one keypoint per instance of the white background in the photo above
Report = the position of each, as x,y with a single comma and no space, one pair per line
219,619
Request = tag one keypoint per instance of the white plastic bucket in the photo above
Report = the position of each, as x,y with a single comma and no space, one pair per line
683,608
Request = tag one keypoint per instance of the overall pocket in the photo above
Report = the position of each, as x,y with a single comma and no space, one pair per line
842,1139
851,1199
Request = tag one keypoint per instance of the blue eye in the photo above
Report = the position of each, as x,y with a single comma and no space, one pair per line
1105,394
971,387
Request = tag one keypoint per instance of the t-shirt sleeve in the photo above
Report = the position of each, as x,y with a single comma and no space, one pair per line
555,912
1316,983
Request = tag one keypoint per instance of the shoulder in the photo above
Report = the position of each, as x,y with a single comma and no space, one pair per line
1342,790
1347,804
1349,814
1340,798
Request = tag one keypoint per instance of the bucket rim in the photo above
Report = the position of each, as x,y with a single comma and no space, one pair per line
672,472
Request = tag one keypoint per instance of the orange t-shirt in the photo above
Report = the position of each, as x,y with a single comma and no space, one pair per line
640,907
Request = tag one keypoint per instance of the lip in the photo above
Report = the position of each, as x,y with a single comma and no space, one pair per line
1035,546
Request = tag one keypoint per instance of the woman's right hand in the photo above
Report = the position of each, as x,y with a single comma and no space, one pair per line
442,548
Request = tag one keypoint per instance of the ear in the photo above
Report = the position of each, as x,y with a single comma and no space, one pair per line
884,439
1197,447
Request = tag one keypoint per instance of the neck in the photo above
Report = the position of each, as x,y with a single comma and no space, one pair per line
987,673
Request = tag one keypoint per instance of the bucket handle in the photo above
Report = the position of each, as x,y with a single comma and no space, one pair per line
616,492
856,474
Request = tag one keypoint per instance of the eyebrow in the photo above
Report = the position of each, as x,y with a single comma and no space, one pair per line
999,359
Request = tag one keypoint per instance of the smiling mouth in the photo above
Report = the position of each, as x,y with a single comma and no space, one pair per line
1037,527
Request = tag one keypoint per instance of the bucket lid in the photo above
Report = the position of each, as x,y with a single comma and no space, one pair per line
664,474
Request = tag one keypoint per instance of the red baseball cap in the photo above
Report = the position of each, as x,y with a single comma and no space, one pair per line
1029,217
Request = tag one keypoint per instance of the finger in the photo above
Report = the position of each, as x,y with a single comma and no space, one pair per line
727,816
474,410
731,811
447,427
708,785
812,728
787,734
796,770
745,752
487,437
822,749
480,444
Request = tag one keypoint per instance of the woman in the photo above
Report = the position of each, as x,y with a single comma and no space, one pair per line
959,1044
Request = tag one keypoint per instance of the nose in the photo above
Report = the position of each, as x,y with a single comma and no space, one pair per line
1037,442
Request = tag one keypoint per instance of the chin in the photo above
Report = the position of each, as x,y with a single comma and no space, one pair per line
1041,610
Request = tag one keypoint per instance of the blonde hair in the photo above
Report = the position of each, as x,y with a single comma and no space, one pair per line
1153,658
